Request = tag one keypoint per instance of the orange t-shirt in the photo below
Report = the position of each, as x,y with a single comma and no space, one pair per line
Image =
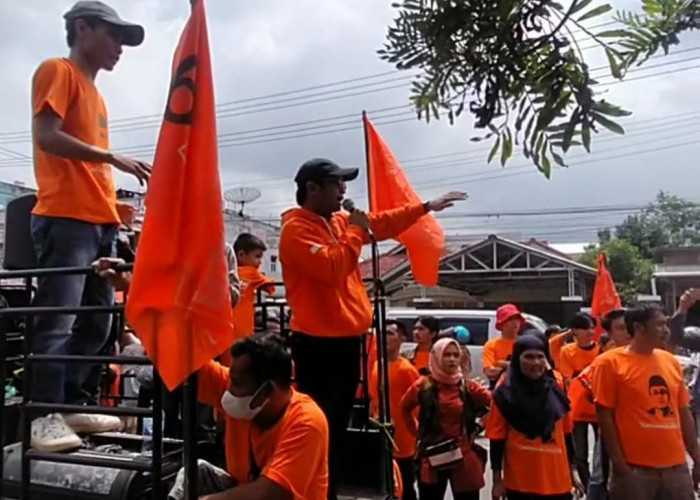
496,350
293,453
244,313
646,392
574,359
71,188
581,397
421,360
556,344
529,465
402,375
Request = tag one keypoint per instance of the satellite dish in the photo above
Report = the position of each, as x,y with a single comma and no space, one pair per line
242,195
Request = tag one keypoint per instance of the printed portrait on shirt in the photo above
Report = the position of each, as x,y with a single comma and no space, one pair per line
660,397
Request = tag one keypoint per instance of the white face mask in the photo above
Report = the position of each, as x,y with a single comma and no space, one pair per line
239,407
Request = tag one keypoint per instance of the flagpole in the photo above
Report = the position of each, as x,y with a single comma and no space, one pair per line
369,181
379,312
189,418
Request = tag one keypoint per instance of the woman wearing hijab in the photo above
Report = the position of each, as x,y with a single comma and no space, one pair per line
530,428
446,427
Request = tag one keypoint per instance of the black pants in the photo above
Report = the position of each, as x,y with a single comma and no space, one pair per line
328,370
407,468
436,491
516,495
581,449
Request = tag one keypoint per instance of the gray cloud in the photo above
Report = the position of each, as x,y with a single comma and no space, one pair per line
266,47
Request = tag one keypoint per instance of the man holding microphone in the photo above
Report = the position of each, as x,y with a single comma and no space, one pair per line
320,250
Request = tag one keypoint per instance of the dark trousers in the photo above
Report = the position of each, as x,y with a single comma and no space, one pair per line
328,370
436,491
580,435
407,468
70,243
516,495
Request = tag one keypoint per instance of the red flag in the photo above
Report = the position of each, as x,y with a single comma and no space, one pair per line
389,188
605,297
179,303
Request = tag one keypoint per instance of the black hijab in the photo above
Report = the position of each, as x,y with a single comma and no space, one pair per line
531,407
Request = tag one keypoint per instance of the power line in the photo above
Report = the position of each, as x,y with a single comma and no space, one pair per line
479,154
468,179
129,125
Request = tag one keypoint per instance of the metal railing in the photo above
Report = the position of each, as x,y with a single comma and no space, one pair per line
29,408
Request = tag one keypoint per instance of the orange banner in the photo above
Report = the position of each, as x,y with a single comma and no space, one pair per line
179,300
389,188
605,297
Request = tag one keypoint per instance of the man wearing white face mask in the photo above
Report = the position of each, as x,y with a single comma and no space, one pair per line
276,438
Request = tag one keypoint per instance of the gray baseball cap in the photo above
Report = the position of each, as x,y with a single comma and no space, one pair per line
133,33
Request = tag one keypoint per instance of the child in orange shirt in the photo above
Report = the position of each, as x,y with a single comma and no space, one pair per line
249,252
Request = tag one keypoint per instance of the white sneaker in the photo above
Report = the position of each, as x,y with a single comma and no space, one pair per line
88,423
51,434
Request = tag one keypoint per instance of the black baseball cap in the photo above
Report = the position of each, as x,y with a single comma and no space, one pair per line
133,33
318,169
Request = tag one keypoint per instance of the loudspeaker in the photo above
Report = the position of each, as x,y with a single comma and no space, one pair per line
19,249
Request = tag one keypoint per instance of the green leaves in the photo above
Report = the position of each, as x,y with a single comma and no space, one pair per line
614,65
598,11
519,73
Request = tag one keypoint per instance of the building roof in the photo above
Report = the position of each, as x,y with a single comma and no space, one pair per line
393,259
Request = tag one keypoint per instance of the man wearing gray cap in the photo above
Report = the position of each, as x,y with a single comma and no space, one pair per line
76,217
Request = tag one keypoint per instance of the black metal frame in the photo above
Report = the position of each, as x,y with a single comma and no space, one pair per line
27,408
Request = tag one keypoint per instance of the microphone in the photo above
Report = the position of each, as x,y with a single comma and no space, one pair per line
349,206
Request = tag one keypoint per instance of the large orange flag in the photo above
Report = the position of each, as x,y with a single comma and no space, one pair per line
179,303
605,297
389,188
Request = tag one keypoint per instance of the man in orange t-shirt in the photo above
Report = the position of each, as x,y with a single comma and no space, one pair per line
276,438
578,355
320,251
497,352
642,408
402,375
573,359
76,216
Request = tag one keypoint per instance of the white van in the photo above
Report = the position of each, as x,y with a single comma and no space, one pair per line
481,324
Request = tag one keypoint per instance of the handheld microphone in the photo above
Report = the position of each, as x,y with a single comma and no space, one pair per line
349,206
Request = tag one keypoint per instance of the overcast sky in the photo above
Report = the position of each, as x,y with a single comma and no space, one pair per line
268,47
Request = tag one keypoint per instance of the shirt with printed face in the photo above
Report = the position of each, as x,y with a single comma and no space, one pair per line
646,393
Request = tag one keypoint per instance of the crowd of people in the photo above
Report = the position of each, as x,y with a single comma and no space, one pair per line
285,405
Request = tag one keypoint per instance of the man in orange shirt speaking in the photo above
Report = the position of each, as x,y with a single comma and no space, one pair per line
76,216
319,251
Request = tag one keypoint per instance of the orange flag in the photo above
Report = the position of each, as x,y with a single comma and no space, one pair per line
605,297
179,301
389,188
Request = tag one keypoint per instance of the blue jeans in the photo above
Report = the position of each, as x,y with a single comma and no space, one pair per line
63,242
597,487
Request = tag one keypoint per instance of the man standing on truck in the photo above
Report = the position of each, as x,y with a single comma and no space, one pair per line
320,251
76,217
